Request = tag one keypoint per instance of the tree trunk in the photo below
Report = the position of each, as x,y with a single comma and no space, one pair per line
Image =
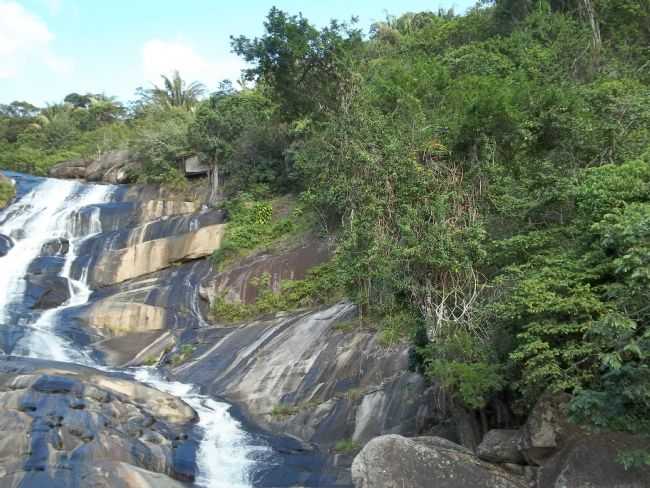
214,185
589,12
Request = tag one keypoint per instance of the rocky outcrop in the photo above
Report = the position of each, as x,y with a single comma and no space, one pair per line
311,375
393,461
66,425
127,254
237,283
116,166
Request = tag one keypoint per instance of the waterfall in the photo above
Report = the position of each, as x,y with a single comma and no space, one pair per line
71,210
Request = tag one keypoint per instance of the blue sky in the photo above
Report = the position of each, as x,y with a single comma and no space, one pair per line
49,48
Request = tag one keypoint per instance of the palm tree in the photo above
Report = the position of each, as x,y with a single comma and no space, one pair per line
176,93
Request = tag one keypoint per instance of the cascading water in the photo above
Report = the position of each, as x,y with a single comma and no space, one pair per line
53,209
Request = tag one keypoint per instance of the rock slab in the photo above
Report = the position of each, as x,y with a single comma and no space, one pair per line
393,461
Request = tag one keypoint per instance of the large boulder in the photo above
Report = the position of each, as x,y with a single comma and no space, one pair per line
501,446
66,425
46,291
394,461
592,461
547,428
70,169
141,258
112,167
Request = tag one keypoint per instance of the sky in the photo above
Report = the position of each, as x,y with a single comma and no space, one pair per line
49,48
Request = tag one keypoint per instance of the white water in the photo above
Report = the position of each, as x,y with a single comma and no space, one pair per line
223,457
49,211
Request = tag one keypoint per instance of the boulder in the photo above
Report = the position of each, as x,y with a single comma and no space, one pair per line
112,167
46,291
393,461
55,247
501,446
547,428
70,169
591,461
66,425
6,243
195,167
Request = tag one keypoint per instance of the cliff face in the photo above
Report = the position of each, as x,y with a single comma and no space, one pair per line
308,375
301,374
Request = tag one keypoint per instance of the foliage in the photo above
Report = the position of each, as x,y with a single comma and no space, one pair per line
251,227
321,286
304,66
175,92
347,446
7,192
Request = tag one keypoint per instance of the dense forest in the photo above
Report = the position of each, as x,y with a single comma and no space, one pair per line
485,177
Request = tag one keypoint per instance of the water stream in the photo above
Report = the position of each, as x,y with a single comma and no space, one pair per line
52,209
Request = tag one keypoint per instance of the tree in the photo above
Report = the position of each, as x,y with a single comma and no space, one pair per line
305,67
175,92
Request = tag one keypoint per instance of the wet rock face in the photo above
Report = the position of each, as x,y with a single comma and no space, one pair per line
325,385
393,461
55,247
6,243
45,291
66,425
131,253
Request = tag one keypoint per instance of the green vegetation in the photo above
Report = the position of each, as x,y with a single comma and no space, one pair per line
184,353
486,178
282,411
7,192
321,286
347,446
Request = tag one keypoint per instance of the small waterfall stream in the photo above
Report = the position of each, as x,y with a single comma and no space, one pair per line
52,210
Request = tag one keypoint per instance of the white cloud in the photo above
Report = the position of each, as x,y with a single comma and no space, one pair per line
25,38
163,57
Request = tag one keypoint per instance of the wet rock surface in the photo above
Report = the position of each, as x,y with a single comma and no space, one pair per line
46,291
6,243
301,375
66,425
55,247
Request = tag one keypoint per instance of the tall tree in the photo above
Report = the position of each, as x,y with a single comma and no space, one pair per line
176,92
